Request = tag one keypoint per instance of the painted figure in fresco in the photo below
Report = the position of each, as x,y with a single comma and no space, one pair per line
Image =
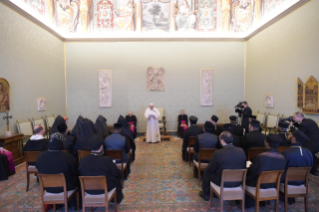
257,11
67,15
4,98
185,18
124,18
50,10
105,14
84,14
206,21
225,9
37,5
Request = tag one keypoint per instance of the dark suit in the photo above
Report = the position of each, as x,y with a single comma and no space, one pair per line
117,141
253,139
229,157
237,129
217,130
206,140
236,141
193,130
245,120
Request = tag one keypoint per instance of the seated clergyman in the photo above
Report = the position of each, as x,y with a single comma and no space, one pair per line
229,157
69,139
237,129
217,130
254,138
96,164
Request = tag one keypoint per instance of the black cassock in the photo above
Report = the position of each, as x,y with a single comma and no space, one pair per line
4,167
270,160
193,130
237,129
134,120
253,139
245,117
77,128
229,157
295,159
284,142
180,129
217,130
127,133
58,120
69,144
101,126
99,165
36,145
87,131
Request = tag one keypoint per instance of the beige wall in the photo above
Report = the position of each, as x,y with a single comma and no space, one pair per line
278,55
128,61
32,61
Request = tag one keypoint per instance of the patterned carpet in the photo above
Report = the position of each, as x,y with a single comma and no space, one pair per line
159,181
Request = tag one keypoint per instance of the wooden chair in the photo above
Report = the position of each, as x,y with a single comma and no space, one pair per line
296,174
49,120
282,148
56,180
25,128
190,149
101,200
271,123
111,128
82,153
221,126
118,154
253,152
259,194
204,154
31,156
237,193
131,151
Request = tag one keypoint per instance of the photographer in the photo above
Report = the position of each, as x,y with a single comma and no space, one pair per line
246,112
310,128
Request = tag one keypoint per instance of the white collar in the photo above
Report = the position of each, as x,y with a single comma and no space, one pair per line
36,137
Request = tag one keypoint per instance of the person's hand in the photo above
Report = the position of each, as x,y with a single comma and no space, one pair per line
290,124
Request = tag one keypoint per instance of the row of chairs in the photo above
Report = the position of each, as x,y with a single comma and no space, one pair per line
26,127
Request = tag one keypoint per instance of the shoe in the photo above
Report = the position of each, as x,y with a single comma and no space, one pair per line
314,173
202,195
156,142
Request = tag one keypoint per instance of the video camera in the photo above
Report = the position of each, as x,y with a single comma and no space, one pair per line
289,119
239,107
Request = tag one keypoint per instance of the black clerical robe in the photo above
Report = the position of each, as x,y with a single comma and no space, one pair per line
100,165
69,144
193,130
237,129
246,113
58,120
127,133
132,120
229,157
180,129
77,128
35,145
4,167
56,162
284,141
296,156
101,127
217,130
253,139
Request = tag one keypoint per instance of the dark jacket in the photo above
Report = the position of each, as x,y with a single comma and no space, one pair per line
236,141
88,130
284,142
237,129
58,120
101,127
269,160
253,139
193,130
245,120
127,133
36,145
55,162
69,144
205,140
310,128
99,165
117,141
295,159
217,130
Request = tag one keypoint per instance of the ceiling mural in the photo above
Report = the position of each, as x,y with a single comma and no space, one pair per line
196,18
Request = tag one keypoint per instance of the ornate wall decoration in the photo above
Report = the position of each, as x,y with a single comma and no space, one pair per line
300,93
155,79
242,13
206,87
37,5
105,88
103,16
4,95
155,15
185,16
66,14
311,96
207,15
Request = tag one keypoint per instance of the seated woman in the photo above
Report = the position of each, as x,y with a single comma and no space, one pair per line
182,124
132,121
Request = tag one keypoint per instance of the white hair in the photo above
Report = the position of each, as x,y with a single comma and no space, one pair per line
151,104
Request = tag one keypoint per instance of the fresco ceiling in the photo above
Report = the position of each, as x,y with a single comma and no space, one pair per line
153,19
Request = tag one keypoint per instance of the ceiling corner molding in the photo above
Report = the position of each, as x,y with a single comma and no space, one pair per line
31,18
277,18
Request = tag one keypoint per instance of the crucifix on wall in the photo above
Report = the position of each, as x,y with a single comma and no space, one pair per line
8,133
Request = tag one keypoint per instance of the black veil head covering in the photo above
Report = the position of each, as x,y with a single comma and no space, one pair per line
77,128
87,131
126,131
101,126
58,120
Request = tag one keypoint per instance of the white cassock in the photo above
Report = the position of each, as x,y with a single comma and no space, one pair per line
152,130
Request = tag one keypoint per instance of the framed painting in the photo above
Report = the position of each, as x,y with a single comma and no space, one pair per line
269,101
300,93
4,95
206,87
105,88
103,15
42,104
311,93
155,79
155,15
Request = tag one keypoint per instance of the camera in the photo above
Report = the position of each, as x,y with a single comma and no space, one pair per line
239,107
289,119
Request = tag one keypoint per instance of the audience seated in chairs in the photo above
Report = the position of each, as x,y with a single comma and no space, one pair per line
254,138
229,157
69,139
96,164
58,120
236,140
54,161
193,130
37,142
270,160
217,130
182,124
127,133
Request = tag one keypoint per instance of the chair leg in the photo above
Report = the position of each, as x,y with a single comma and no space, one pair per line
198,176
194,171
306,203
54,208
28,181
276,204
221,204
242,205
115,202
66,206
122,178
211,197
286,203
91,209
83,207
77,200
257,206
43,208
189,159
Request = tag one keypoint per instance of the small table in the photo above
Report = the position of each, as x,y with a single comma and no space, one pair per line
14,144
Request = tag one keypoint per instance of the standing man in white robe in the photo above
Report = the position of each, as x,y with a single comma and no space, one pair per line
152,130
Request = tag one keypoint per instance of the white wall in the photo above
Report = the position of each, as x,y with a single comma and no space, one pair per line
277,56
128,61
32,61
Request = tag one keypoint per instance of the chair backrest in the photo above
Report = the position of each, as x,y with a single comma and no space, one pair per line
205,154
261,117
297,174
111,128
191,141
38,121
234,175
82,153
269,177
221,126
272,120
31,156
282,148
201,125
52,180
161,110
115,154
253,152
49,121
93,183
25,127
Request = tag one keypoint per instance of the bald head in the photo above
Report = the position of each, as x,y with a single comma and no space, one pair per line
38,129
